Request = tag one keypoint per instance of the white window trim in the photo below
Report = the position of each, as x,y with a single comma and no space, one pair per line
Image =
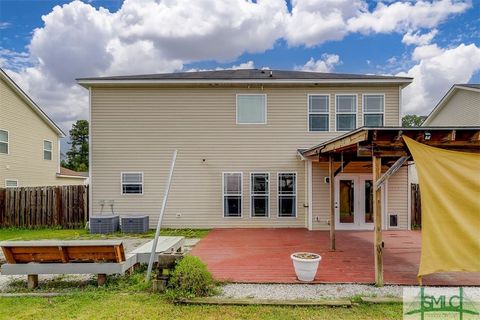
260,194
294,194
16,180
309,113
121,184
226,194
363,107
7,142
236,108
43,147
336,112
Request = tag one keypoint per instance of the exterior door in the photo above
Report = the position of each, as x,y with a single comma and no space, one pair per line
353,202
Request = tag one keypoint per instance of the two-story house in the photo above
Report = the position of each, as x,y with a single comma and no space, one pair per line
238,135
29,142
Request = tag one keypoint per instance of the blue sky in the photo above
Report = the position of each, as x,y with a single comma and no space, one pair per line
435,41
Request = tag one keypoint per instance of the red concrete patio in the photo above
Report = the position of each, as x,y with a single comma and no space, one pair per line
263,256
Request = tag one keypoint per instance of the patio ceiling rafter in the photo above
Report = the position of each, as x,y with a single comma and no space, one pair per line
384,144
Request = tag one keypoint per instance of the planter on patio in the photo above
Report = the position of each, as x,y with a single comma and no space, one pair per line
305,265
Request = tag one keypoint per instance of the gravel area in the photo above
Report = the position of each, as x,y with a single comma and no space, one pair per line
307,291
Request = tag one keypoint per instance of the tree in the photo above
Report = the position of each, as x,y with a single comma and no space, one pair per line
77,156
412,120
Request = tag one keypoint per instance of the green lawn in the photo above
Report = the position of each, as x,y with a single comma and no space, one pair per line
125,305
73,234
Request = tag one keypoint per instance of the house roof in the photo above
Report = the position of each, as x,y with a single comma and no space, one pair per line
30,103
456,87
64,172
245,75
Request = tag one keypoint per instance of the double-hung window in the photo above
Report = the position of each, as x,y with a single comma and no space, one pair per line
132,182
232,194
287,194
259,194
47,150
373,110
346,107
318,108
4,141
251,108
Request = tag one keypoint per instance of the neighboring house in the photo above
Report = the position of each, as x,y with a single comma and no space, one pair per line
459,107
238,133
29,142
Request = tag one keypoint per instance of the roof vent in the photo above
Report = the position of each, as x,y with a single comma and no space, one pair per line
271,73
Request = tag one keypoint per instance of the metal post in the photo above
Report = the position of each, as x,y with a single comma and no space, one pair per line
164,204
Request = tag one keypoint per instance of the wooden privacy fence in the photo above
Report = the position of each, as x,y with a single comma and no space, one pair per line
65,206
416,206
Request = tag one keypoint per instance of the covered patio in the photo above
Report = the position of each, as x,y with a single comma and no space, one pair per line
263,256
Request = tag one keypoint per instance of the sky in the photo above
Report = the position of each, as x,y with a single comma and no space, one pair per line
46,44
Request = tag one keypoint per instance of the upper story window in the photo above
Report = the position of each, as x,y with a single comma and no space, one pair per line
132,182
47,150
318,108
4,141
251,108
373,110
232,194
346,107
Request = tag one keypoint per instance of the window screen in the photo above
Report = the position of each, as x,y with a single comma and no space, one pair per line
251,108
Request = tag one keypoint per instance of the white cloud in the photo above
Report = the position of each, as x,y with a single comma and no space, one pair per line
315,21
326,64
4,25
417,38
401,16
149,36
244,65
436,72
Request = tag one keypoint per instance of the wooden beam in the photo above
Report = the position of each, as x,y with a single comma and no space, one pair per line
377,219
347,141
391,171
332,202
364,151
342,166
450,136
475,137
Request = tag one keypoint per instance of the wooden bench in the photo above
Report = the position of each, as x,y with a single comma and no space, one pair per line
101,257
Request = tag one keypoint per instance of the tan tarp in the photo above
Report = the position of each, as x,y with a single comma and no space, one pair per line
450,190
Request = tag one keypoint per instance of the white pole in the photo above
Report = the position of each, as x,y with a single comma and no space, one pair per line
164,204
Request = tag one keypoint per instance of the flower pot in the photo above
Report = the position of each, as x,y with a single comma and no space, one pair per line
305,265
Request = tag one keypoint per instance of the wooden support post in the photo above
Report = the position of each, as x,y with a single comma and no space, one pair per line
377,218
331,171
32,281
101,279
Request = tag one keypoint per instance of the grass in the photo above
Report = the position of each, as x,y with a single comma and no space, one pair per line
129,297
78,234
127,305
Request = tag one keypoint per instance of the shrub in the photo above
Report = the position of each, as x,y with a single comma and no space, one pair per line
191,278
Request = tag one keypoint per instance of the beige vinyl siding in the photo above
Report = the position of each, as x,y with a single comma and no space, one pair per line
136,129
462,109
397,197
27,131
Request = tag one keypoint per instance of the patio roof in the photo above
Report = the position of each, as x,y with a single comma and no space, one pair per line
388,142
385,144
